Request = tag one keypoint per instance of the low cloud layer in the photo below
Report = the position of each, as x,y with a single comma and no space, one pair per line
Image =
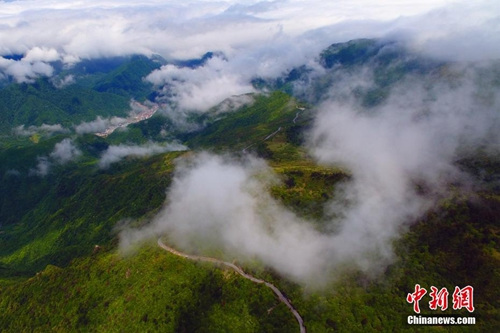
216,203
63,152
219,203
200,88
257,39
115,154
98,125
24,70
402,155
44,128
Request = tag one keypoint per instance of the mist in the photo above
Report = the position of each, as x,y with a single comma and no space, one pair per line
44,128
202,88
402,155
221,203
98,125
117,153
64,152
256,39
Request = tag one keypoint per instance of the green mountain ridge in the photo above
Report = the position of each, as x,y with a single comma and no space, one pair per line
100,88
42,103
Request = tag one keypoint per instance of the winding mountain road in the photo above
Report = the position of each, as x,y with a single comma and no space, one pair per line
296,116
244,150
238,270
272,134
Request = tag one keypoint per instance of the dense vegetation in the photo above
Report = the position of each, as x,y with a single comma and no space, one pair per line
53,277
42,103
65,214
101,88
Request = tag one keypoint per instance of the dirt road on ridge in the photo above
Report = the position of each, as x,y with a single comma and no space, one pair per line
238,270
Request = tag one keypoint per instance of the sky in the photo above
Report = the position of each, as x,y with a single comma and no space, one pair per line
71,30
257,38
188,28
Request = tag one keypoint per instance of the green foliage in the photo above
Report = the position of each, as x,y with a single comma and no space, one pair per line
127,80
250,124
305,188
76,207
20,192
351,53
41,102
149,291
153,290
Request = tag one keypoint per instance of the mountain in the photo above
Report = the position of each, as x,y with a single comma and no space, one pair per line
61,267
127,79
42,103
102,87
195,63
386,62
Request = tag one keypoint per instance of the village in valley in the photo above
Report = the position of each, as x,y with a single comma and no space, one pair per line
140,112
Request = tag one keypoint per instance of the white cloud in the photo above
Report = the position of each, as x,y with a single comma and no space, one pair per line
98,125
41,54
262,38
44,128
200,88
42,168
25,71
115,154
61,82
64,152
221,203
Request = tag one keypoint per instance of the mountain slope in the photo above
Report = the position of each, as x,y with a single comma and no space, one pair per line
127,80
